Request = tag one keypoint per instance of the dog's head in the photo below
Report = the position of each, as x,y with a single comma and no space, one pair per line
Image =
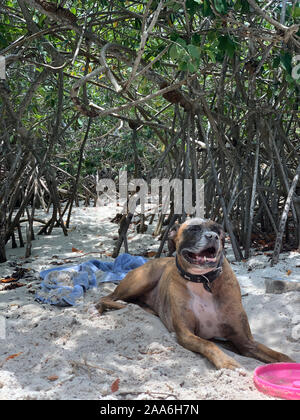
198,243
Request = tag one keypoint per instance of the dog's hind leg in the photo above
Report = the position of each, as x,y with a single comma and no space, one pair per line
136,284
108,302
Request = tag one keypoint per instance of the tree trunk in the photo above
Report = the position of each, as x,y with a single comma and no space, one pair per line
278,243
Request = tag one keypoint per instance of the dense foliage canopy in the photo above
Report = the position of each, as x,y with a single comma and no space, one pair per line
187,89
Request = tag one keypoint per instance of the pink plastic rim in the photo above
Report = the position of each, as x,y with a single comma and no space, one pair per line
267,380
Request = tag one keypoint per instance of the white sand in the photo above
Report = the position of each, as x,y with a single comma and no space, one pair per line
73,353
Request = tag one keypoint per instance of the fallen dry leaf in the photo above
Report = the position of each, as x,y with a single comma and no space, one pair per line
8,280
12,356
289,272
52,378
151,254
13,285
115,385
75,250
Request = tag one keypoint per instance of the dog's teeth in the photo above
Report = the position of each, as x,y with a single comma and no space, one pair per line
205,259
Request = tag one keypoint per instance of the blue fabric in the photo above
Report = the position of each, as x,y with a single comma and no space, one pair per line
63,286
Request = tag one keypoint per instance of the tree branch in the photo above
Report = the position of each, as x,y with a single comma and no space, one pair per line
289,30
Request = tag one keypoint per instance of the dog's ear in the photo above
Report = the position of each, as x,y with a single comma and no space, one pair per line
220,230
171,238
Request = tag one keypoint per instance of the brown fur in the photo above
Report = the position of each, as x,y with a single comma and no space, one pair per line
194,314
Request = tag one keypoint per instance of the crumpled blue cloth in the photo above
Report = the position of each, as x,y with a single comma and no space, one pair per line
63,286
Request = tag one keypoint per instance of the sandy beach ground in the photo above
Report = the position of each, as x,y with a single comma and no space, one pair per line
49,352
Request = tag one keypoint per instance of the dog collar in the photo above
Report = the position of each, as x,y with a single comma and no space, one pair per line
205,279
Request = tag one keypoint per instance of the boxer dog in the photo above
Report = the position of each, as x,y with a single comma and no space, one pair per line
196,294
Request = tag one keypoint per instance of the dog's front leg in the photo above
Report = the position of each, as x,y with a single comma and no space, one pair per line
252,348
243,340
207,348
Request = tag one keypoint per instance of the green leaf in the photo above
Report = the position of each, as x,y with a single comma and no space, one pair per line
276,62
173,52
286,62
191,67
242,6
3,42
296,12
221,6
182,66
194,51
42,20
245,7
173,5
207,10
237,5
193,6
173,36
181,41
290,79
227,45
137,23
196,39
211,35
211,55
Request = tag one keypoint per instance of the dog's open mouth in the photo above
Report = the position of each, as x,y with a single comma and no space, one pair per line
205,256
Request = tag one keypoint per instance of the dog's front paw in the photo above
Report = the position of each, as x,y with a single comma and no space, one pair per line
228,363
284,358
